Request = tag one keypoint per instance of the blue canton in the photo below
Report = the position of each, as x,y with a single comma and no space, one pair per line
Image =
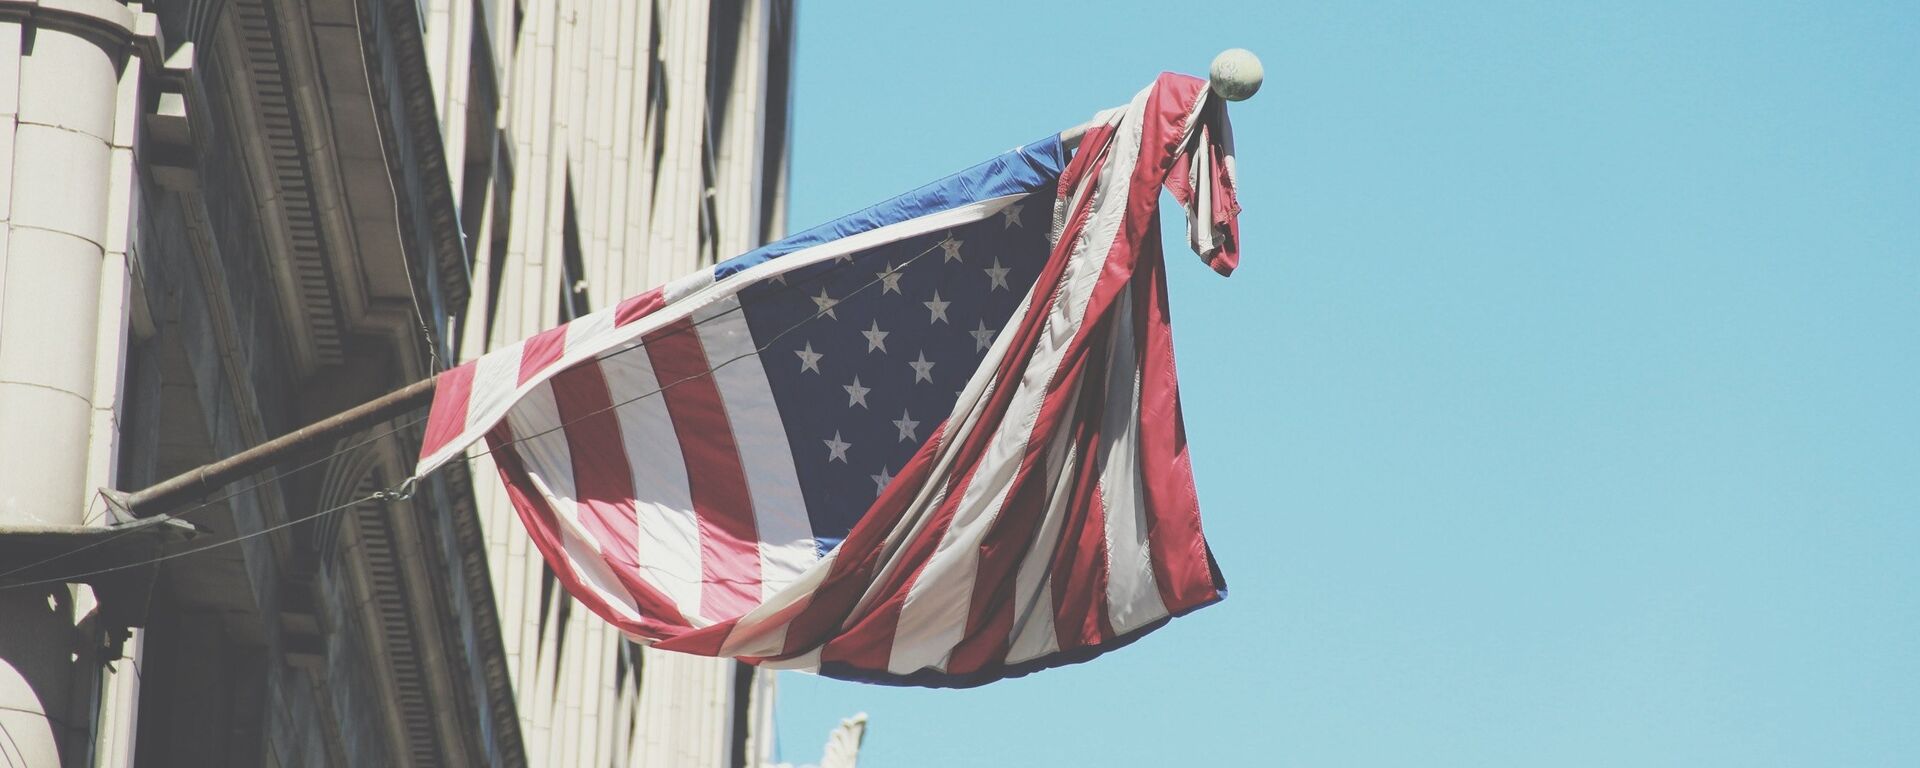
866,354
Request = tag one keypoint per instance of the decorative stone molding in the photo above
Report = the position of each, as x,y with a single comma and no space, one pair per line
117,27
104,21
169,132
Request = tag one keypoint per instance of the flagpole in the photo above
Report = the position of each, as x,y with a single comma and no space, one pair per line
1234,75
194,484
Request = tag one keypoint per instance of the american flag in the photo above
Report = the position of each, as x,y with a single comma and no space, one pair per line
936,442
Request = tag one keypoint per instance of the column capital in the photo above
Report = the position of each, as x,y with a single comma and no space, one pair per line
106,22
119,28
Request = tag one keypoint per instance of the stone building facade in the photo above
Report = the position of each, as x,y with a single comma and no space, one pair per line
223,219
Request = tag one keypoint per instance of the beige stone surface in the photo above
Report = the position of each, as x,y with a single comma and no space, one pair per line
53,282
63,99
60,181
62,82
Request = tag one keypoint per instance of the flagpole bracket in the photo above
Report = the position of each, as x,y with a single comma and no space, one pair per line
401,492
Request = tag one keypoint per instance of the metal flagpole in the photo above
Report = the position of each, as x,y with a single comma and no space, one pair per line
172,493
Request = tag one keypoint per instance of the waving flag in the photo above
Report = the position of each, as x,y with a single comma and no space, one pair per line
937,442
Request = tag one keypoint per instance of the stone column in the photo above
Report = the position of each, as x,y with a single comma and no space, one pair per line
68,78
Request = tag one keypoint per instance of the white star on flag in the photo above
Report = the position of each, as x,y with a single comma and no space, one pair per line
880,481
856,394
951,248
809,359
889,280
837,448
937,307
825,303
1012,212
909,429
876,338
982,338
922,370
998,274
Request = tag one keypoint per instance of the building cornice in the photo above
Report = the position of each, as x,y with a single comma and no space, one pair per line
403,99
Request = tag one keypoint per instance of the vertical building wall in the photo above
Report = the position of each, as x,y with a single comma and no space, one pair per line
72,78
602,147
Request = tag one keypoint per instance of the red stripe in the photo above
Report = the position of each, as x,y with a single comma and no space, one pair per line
541,350
1182,567
729,543
448,416
639,306
543,528
603,481
1080,570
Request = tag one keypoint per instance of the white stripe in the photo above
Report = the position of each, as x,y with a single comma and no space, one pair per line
779,510
682,287
953,217
688,295
549,465
1133,600
494,377
1033,632
917,516
934,616
668,539
1201,236
585,330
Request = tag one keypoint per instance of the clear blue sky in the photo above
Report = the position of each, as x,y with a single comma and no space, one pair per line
1565,411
